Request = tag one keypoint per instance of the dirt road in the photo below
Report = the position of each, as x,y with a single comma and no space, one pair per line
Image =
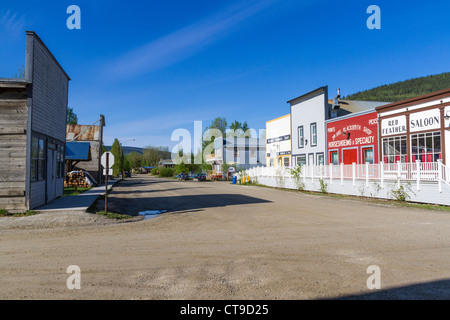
223,241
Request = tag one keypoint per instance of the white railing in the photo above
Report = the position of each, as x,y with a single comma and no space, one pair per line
412,172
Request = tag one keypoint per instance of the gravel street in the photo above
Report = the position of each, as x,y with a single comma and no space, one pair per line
224,241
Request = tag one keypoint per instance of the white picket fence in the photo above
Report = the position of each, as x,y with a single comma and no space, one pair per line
417,172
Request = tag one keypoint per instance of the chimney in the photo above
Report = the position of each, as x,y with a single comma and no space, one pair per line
335,106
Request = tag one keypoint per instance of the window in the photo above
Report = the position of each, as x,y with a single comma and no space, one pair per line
320,159
34,158
63,163
41,165
37,159
301,160
236,152
368,156
426,147
60,161
313,134
301,137
334,157
286,161
394,149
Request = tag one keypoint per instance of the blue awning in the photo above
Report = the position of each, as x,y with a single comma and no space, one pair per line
77,150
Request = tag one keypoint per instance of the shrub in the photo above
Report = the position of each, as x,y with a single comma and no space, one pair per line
166,172
296,174
3,212
402,193
323,186
181,168
155,171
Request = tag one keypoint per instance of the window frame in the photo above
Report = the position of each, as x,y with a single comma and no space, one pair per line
313,136
301,137
300,156
317,158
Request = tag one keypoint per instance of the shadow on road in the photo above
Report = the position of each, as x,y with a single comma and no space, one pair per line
117,192
173,204
433,290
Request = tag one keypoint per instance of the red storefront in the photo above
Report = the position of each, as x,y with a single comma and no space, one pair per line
353,138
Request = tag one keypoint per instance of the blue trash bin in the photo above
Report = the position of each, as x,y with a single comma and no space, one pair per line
234,179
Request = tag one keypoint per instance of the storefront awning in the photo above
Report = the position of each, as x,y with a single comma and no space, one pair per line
78,151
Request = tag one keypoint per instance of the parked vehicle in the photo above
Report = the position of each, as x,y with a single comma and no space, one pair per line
127,174
200,177
183,176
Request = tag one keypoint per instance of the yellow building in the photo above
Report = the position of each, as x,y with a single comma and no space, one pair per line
278,144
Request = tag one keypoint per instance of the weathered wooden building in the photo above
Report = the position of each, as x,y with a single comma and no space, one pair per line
33,130
92,134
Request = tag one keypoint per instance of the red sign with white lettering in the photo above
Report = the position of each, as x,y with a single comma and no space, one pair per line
353,139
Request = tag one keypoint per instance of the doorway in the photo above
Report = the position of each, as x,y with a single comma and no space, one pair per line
311,159
350,156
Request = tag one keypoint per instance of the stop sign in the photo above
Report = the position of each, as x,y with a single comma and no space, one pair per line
110,160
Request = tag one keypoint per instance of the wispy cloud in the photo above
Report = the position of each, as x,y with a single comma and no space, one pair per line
11,23
185,42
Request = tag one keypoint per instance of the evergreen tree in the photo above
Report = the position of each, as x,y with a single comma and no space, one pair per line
71,118
116,150
404,89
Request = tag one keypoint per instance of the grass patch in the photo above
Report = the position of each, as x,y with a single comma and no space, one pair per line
70,191
113,215
4,213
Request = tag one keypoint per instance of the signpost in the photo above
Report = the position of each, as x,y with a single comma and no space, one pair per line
107,162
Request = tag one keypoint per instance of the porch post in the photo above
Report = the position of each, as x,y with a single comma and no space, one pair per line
354,173
331,173
418,174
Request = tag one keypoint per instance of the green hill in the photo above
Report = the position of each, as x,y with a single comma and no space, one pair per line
404,89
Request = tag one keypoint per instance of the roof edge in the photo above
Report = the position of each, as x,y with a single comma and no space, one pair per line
309,94
35,36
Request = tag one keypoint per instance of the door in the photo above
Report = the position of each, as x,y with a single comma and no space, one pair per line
311,159
51,178
350,156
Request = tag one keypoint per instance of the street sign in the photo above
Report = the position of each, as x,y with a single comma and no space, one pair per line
110,172
111,160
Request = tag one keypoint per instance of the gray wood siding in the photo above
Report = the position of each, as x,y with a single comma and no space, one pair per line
37,194
50,92
13,144
59,187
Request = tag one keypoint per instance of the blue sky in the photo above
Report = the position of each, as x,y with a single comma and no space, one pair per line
154,66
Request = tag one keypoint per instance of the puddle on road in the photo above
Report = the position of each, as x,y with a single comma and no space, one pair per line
151,213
